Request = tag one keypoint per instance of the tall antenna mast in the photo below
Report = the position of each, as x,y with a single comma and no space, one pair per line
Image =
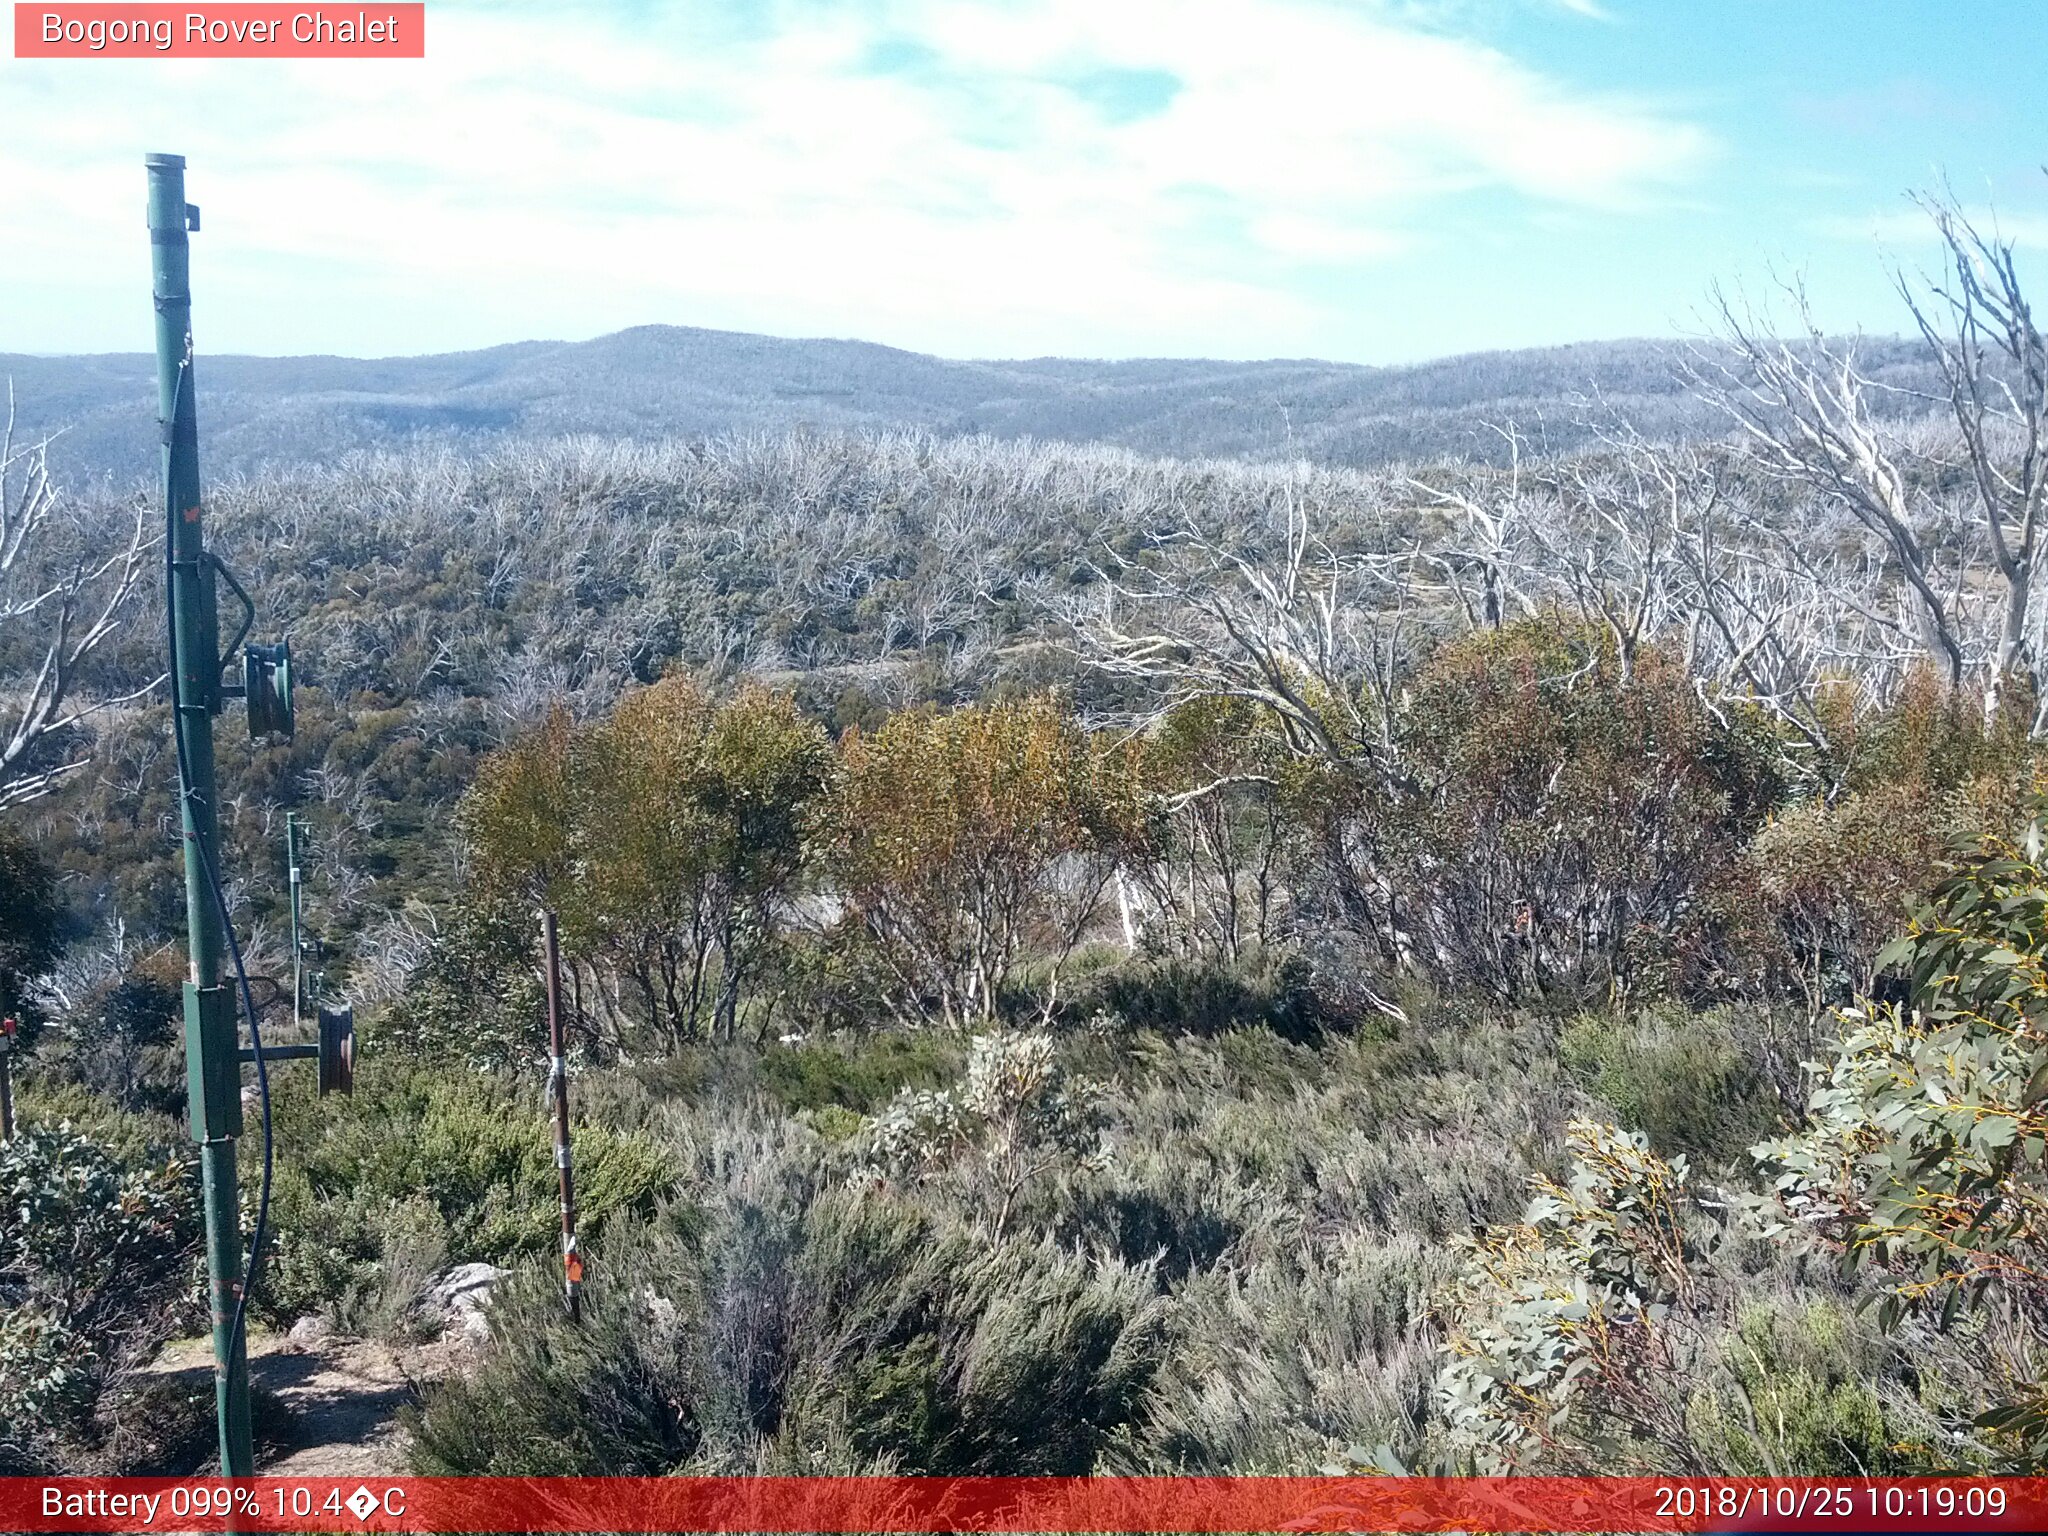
214,1054
212,1071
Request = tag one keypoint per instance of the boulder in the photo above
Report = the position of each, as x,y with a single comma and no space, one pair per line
457,1298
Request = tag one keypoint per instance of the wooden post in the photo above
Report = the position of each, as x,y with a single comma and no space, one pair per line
558,1091
7,1028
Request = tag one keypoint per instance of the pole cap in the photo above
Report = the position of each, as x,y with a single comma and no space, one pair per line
164,162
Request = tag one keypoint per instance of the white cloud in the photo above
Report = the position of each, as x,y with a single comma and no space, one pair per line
557,166
1321,240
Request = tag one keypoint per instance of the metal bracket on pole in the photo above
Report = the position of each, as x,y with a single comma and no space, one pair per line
335,1050
211,1079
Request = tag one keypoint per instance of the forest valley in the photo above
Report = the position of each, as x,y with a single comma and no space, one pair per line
1086,963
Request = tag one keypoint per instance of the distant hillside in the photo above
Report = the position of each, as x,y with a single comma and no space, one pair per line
662,381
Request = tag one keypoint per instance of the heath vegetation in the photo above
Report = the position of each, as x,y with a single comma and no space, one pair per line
1076,962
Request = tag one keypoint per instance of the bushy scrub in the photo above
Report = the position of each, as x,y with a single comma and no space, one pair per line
1016,1117
120,1037
475,999
94,1256
1617,1323
1578,1313
1246,1284
860,1074
1700,1084
133,1138
1824,887
1631,1321
664,836
1812,1385
970,842
600,1399
425,1166
32,927
843,1336
1291,1349
1929,735
1922,1158
1550,812
1209,997
1295,1201
1220,836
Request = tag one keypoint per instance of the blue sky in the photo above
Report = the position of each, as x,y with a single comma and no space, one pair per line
1371,180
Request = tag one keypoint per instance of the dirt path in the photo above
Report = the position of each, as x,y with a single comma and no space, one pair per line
342,1397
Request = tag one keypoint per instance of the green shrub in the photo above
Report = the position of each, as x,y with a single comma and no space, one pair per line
1802,1397
1823,888
1932,736
835,1125
859,1075
133,1137
93,1258
1922,1157
475,999
427,1165
1178,1225
1683,1079
843,1336
1206,997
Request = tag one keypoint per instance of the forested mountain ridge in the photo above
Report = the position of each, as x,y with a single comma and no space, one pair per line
658,381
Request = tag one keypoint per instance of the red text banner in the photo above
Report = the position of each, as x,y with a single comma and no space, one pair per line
227,31
1049,1504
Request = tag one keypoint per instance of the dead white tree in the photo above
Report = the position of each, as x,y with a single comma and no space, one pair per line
1483,557
1618,519
1994,367
1313,632
69,599
1307,631
1806,410
1664,543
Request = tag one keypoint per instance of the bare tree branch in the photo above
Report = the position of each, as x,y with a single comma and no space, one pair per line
74,601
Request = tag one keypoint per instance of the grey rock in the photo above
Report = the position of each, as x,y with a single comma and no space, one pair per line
458,1298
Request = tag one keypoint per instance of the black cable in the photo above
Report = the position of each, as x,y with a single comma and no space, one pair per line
258,1232
237,1332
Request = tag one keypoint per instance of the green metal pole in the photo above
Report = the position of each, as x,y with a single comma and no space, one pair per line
212,1071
